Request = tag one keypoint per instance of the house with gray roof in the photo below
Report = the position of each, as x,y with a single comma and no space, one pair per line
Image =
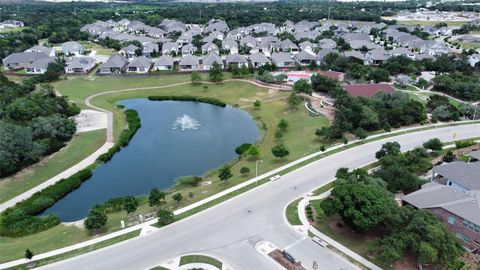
216,25
327,43
129,51
249,41
323,52
170,48
211,58
140,65
39,66
21,60
40,48
165,62
363,44
283,60
230,45
452,196
150,48
189,63
307,46
79,65
210,47
11,24
433,47
114,64
354,54
188,49
377,56
237,60
72,48
304,58
258,59
287,46
403,51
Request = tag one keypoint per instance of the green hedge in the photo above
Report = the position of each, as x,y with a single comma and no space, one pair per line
208,100
22,219
133,121
463,144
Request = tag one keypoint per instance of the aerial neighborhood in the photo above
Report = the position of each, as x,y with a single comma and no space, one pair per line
240,135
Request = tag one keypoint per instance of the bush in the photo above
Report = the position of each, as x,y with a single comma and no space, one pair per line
449,156
191,180
208,100
360,133
433,144
21,219
244,170
243,148
463,144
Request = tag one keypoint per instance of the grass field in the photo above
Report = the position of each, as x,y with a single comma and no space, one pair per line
200,259
100,50
428,23
81,146
292,213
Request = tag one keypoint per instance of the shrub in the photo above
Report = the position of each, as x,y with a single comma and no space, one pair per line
360,133
449,156
463,144
244,170
191,180
243,148
208,100
433,144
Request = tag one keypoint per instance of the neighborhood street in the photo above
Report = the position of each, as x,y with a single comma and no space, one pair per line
230,230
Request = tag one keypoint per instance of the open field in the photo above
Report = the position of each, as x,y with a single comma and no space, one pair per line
81,146
200,259
427,23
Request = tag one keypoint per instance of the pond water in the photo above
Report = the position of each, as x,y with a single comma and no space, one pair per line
177,138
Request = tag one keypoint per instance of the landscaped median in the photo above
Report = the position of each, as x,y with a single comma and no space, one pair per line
193,261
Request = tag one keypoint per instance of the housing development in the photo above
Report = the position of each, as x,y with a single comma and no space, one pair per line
240,135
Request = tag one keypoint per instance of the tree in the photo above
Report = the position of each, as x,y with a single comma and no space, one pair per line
323,84
216,74
156,197
28,254
130,204
257,104
283,125
253,151
433,144
177,197
195,78
360,133
379,75
243,148
348,199
244,170
280,151
302,86
293,101
96,219
449,156
225,173
389,148
165,216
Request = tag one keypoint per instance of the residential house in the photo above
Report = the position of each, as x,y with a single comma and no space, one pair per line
114,64
323,52
210,47
287,46
377,56
39,48
11,24
79,65
189,49
209,59
237,60
150,48
360,45
452,197
189,63
283,60
72,48
368,90
403,51
307,46
433,47
170,48
139,65
334,75
39,66
327,43
259,59
21,60
129,51
165,62
216,25
230,45
304,58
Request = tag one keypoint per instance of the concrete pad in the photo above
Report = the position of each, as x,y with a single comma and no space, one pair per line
88,120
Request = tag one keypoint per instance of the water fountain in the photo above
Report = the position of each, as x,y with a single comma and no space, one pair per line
185,122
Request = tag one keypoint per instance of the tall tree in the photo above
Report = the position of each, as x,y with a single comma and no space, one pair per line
156,197
96,219
215,73
225,173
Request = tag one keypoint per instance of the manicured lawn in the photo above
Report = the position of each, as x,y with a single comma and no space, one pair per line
425,23
292,213
81,146
97,47
200,259
83,250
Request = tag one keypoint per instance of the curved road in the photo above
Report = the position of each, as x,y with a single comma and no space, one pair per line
231,230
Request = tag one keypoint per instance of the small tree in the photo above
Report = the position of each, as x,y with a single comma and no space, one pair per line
96,219
177,197
257,104
244,170
195,78
165,217
278,134
323,148
130,204
360,133
302,86
280,151
215,73
225,173
433,144
283,125
253,151
28,254
293,101
449,156
156,198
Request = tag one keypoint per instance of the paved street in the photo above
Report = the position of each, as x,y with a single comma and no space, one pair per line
231,230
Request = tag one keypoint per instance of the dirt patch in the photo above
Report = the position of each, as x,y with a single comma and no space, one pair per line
339,227
279,257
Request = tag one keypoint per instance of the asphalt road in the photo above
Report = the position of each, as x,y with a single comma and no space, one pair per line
230,231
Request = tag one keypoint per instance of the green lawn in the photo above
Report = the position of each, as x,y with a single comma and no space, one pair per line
200,259
81,146
427,23
97,47
292,213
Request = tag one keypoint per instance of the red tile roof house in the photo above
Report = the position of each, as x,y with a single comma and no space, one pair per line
335,75
367,90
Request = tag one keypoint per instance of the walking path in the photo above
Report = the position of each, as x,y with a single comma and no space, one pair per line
307,227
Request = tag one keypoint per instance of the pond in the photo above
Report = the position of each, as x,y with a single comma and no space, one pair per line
177,138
